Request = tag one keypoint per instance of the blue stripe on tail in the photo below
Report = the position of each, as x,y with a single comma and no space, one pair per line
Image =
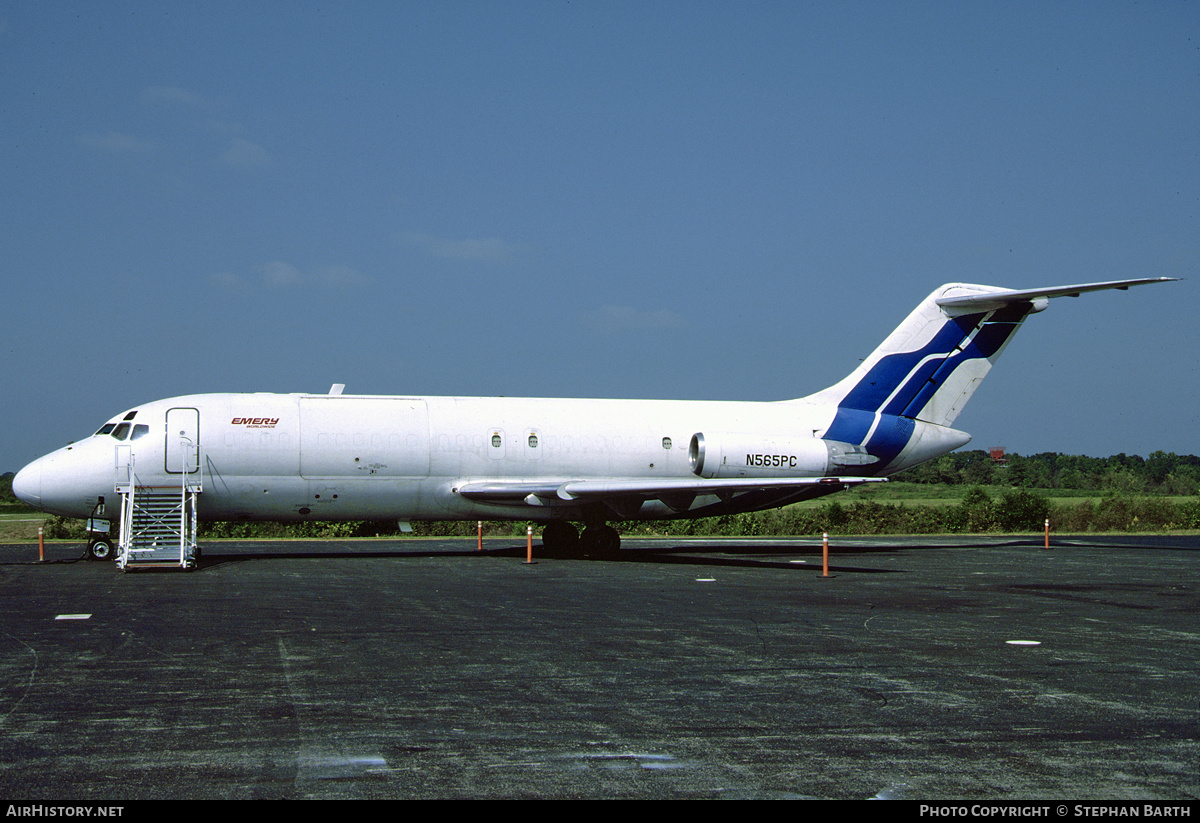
990,339
877,386
900,385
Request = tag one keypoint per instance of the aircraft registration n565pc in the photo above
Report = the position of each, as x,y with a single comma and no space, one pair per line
555,461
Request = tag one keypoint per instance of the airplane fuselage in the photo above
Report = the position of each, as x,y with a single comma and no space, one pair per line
342,457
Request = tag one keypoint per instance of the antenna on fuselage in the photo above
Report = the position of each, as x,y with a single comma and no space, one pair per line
336,389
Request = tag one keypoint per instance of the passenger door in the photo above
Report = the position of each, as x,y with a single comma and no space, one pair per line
183,441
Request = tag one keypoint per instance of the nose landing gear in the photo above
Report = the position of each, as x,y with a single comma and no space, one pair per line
100,549
100,545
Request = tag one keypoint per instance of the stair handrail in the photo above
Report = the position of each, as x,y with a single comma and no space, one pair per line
185,487
127,504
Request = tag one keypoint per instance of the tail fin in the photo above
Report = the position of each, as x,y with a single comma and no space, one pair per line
928,368
930,365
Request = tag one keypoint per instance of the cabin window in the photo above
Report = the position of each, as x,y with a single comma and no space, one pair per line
666,443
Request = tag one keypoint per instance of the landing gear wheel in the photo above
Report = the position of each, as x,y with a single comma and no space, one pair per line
600,541
560,539
100,550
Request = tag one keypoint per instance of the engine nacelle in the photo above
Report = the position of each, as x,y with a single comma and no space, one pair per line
733,454
726,454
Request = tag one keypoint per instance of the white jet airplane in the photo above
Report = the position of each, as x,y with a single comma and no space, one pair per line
294,457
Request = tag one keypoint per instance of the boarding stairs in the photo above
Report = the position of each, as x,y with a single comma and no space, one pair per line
158,522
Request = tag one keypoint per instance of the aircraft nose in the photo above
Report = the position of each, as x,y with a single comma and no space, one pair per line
67,482
27,484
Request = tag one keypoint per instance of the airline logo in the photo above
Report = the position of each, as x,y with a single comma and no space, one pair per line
256,422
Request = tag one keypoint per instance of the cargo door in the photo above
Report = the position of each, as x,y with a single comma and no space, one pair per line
363,437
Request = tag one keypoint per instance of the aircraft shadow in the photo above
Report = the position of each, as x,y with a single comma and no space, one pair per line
210,559
683,555
747,556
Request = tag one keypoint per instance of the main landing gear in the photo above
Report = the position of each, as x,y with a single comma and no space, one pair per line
599,540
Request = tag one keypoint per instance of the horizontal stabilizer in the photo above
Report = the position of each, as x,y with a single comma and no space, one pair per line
990,301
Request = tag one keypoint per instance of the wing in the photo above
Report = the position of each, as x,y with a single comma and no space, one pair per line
678,493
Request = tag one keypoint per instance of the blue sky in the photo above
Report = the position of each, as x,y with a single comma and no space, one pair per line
682,200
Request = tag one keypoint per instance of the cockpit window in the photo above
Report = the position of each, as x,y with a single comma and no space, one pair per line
121,430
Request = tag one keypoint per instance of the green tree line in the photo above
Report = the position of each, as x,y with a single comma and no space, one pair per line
1160,473
6,492
1013,510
